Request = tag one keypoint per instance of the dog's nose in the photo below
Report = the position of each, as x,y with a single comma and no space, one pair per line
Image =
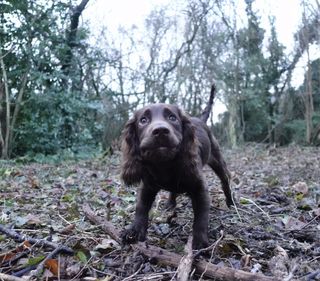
160,131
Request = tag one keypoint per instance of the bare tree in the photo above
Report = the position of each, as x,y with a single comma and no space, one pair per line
308,34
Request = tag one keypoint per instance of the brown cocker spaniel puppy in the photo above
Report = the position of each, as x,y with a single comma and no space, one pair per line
163,148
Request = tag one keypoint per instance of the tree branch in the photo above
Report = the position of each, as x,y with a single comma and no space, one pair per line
37,242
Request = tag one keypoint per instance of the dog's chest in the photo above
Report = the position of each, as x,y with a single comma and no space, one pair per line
171,179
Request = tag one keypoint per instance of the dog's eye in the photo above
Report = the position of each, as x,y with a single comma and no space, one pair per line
172,117
143,120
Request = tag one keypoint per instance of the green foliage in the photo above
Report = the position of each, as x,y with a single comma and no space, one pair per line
55,121
57,112
294,131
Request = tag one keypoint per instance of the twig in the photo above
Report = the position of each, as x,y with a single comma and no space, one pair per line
310,222
213,247
37,242
6,277
41,265
312,275
8,52
105,225
290,275
82,269
254,203
237,211
22,272
134,274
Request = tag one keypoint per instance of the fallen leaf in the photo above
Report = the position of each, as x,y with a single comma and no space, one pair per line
53,266
25,246
73,269
292,223
316,212
47,275
82,257
301,187
34,182
68,229
35,260
29,219
256,268
107,245
33,219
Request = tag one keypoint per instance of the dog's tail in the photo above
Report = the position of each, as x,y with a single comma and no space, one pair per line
206,112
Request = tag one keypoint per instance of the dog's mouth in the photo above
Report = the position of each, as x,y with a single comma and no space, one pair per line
164,147
159,144
160,153
158,148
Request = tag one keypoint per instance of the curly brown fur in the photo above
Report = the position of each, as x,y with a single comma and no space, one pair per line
131,171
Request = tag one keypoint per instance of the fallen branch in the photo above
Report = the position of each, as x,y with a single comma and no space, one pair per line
185,265
41,265
33,241
167,258
6,277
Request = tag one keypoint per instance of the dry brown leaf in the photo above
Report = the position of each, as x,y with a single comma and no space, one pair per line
68,229
52,265
11,254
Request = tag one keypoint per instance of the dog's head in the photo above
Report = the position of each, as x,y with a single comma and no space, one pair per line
156,133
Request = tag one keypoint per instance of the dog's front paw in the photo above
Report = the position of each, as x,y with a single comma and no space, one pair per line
229,202
133,234
199,242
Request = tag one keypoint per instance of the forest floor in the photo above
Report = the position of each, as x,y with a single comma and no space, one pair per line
275,228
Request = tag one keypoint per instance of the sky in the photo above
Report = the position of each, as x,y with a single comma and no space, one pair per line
128,12
125,13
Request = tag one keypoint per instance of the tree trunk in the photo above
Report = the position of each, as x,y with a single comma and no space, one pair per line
71,38
309,102
5,138
2,116
232,124
17,109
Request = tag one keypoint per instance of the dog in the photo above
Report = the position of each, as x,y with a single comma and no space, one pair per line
164,148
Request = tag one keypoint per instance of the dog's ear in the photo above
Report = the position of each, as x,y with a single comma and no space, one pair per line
189,146
131,170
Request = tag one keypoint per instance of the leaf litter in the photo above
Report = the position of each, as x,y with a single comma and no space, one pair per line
274,229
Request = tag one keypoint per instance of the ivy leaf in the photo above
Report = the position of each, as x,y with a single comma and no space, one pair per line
82,257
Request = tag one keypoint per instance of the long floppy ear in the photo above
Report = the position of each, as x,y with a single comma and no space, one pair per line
190,144
131,170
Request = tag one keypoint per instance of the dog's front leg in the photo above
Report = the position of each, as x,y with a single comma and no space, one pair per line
201,207
138,229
